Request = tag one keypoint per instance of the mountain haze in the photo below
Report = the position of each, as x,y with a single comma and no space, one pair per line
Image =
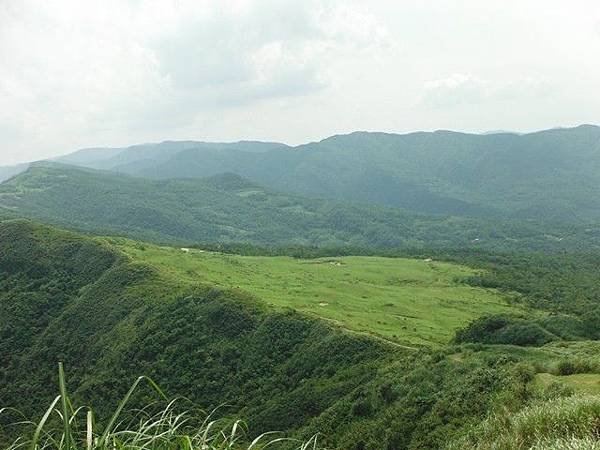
7,172
127,158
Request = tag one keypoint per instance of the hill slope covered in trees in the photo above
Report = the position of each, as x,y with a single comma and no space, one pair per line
228,208
112,317
550,175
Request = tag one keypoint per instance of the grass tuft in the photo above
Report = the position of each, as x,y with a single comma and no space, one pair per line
561,424
171,427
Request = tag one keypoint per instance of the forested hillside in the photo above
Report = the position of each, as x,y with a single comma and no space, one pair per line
551,175
112,318
228,208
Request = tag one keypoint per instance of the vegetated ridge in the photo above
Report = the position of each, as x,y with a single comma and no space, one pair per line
227,208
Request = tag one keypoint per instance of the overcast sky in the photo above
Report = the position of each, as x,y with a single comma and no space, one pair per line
109,73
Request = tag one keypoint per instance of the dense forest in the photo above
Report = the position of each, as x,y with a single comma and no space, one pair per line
227,208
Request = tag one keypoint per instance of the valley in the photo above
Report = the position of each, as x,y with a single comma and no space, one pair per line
227,208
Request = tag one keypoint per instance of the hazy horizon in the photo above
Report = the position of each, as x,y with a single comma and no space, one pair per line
116,73
498,131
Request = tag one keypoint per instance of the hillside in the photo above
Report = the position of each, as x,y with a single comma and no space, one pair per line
551,175
112,318
228,208
113,315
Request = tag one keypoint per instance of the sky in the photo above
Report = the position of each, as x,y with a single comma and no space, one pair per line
77,74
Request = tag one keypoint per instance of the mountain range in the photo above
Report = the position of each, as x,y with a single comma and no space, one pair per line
505,191
548,175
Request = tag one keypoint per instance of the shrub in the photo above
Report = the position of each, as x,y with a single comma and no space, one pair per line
500,329
573,366
566,367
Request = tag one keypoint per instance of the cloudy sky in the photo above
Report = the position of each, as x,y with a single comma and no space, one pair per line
77,73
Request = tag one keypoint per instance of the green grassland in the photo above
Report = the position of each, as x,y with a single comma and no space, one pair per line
409,301
584,383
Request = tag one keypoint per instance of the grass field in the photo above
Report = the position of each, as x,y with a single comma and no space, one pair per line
411,302
583,383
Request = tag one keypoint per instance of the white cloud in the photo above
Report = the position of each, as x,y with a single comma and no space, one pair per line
112,69
466,89
457,89
108,72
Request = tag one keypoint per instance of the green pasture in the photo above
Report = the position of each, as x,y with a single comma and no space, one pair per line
408,301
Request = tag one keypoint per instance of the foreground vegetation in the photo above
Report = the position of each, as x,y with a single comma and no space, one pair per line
114,314
568,423
161,425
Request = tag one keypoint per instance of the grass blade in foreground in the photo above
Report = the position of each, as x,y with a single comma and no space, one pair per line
169,428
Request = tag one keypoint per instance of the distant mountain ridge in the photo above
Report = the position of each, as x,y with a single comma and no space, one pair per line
551,175
113,158
547,175
7,172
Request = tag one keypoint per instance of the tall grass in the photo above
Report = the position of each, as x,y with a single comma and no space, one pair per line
163,425
569,423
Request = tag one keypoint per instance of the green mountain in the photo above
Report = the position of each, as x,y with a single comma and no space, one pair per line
228,208
136,157
387,294
112,317
550,175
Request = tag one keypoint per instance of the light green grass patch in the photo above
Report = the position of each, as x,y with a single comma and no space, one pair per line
581,383
409,301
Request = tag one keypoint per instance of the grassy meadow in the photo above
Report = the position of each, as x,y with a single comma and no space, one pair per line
389,297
